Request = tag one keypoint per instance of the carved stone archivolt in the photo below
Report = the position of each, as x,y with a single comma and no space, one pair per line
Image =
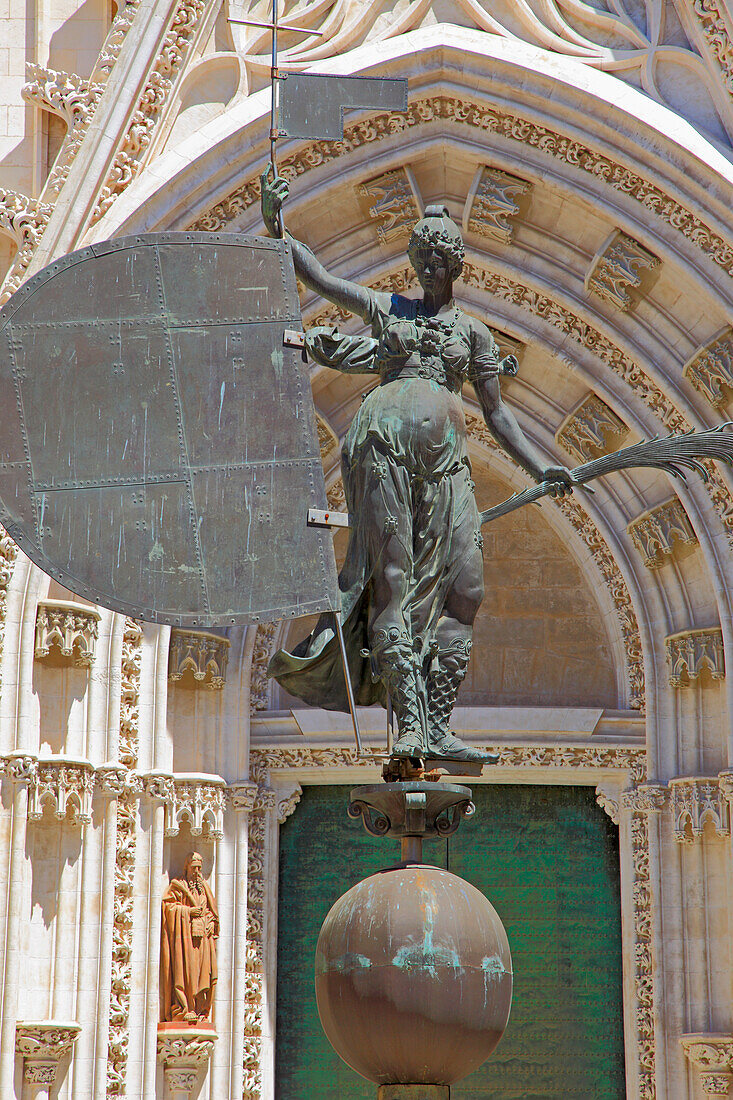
199,653
69,627
656,532
495,200
695,801
710,368
42,1047
691,653
591,429
392,202
620,271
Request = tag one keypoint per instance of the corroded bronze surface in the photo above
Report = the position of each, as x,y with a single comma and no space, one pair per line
158,449
413,977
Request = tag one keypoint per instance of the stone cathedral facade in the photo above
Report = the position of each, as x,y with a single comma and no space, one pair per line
587,150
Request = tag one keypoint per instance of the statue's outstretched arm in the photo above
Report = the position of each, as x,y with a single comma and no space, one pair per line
350,296
502,423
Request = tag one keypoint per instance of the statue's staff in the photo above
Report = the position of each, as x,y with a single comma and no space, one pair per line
673,453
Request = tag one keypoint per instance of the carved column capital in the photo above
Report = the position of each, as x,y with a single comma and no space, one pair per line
242,795
66,784
198,799
647,798
287,798
20,767
691,652
42,1046
620,271
712,1054
184,1052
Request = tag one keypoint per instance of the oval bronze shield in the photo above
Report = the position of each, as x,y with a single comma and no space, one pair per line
158,447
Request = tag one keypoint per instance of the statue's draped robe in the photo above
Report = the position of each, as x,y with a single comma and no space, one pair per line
406,471
188,971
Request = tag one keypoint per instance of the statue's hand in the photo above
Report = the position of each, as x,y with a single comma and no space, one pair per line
197,911
559,479
275,190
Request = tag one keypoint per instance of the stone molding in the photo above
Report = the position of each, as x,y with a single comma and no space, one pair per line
264,645
712,1055
42,1046
691,652
135,142
715,30
67,95
202,654
506,125
73,628
710,368
393,202
588,431
198,799
655,532
494,202
695,800
620,271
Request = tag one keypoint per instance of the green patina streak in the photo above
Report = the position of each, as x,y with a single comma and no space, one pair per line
547,858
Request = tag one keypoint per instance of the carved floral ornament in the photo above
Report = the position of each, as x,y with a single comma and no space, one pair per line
712,1055
42,1046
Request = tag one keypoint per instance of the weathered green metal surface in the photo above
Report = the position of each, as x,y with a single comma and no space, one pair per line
547,858
158,449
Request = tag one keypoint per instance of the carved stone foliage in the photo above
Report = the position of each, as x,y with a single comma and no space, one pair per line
710,368
712,1054
130,154
263,648
591,430
696,800
691,652
620,269
494,202
70,97
392,203
327,438
655,532
204,655
24,220
196,799
184,1052
124,865
8,554
643,956
72,628
42,1046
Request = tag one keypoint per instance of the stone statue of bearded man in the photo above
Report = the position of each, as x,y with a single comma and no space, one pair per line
190,928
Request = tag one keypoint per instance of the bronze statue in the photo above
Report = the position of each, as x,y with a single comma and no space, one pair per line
412,582
189,932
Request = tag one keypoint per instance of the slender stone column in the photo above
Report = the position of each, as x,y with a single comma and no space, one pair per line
21,771
242,796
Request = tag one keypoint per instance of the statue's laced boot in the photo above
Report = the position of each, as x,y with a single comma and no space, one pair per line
444,679
393,659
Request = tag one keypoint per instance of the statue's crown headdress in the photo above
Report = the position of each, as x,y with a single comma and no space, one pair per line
438,230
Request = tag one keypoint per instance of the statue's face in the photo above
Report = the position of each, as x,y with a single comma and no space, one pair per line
194,870
432,270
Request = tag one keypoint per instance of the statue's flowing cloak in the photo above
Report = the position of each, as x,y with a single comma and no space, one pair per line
402,475
187,963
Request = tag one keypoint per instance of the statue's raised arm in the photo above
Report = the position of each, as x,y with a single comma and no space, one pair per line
342,292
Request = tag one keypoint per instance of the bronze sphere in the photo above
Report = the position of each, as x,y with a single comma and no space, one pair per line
413,977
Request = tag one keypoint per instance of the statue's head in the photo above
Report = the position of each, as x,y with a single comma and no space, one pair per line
436,240
194,867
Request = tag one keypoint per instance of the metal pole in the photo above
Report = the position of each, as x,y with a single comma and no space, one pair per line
347,677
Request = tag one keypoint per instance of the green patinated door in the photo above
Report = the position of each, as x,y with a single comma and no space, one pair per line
547,859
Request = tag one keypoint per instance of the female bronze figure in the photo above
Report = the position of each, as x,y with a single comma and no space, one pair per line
412,581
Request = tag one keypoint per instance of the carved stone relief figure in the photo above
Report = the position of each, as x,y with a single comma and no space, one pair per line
190,928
